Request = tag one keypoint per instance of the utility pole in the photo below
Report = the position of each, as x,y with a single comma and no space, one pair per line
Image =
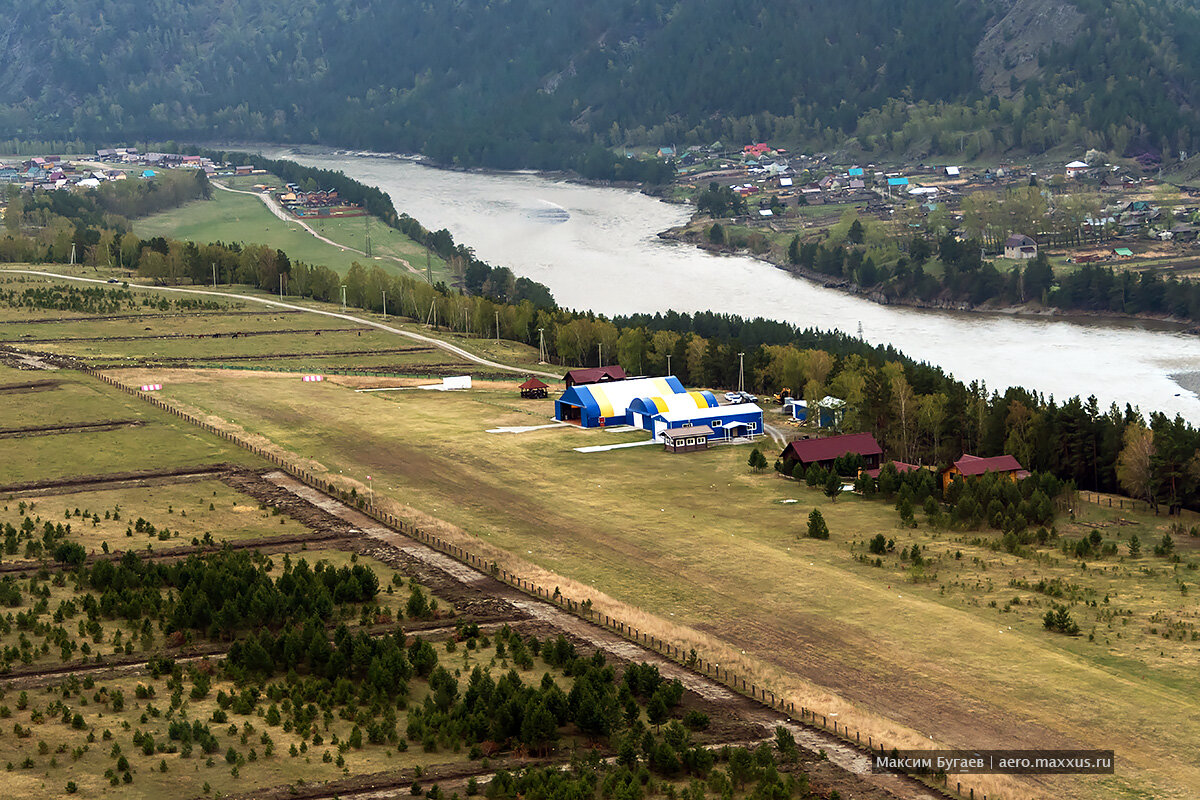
343,298
668,363
385,304
541,345
281,286
214,268
72,254
599,354
741,372
497,327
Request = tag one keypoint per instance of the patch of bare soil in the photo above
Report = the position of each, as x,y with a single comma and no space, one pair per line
81,427
29,386
113,480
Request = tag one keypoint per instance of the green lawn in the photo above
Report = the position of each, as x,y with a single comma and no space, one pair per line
244,218
163,441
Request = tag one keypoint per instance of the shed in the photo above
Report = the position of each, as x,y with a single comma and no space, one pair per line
831,411
580,377
685,440
533,389
822,452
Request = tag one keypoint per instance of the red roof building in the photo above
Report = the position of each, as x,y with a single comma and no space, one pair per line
582,377
533,389
822,452
900,466
970,466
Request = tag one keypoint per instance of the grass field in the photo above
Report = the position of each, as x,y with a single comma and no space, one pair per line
265,338
244,218
160,442
187,510
701,551
714,554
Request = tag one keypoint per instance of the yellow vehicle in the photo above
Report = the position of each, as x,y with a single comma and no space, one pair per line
782,395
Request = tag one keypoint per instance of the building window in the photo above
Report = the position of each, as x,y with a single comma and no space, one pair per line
753,426
716,422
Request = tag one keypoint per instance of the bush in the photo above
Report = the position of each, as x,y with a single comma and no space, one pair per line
1059,619
817,529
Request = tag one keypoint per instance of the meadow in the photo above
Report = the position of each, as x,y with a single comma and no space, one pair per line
158,440
244,218
708,553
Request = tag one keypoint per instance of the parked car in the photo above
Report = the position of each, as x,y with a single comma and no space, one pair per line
748,398
734,397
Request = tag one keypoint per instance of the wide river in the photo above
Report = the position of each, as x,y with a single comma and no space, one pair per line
597,248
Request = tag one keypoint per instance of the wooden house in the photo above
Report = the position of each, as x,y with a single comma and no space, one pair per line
823,452
583,377
970,466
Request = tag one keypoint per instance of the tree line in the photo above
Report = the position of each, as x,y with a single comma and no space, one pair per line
960,274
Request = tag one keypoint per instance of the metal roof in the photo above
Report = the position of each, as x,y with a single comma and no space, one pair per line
810,450
974,465
691,430
712,413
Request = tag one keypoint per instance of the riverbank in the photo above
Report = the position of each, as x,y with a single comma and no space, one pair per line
686,234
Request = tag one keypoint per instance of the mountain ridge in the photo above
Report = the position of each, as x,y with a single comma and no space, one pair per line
535,83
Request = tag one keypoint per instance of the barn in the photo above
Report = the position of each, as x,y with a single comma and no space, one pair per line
601,404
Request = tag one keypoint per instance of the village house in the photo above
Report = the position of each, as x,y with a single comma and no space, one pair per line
590,375
823,452
970,466
1076,169
1020,247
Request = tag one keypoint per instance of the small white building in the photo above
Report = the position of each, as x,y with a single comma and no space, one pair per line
1020,247
1077,168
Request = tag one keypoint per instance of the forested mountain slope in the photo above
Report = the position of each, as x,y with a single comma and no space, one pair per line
551,82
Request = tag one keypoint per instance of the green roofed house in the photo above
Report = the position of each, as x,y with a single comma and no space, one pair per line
1123,252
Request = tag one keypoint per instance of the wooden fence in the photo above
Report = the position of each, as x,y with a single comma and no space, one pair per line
689,659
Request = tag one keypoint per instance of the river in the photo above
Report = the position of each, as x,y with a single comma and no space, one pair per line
597,248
